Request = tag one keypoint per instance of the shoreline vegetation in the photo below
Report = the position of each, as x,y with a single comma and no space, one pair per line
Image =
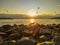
32,34
31,18
22,16
6,18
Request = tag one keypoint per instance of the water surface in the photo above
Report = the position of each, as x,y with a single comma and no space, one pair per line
27,21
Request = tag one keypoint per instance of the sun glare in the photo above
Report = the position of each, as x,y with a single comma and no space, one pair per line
32,13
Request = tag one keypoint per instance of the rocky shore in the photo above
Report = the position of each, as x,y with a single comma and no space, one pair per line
32,34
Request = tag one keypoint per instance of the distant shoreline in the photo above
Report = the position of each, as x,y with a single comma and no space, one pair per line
29,18
6,18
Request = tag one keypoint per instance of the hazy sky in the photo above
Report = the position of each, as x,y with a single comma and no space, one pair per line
22,6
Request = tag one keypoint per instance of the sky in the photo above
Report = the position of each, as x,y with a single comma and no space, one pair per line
22,6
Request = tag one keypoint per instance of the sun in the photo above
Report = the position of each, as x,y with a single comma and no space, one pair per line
32,13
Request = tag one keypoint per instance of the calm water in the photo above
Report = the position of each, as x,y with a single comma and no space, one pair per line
27,21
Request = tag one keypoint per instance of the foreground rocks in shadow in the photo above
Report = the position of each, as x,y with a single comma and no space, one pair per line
36,32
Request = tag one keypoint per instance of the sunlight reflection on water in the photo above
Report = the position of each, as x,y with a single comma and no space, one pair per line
32,20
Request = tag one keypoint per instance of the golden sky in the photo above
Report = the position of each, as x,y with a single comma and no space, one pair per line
23,6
